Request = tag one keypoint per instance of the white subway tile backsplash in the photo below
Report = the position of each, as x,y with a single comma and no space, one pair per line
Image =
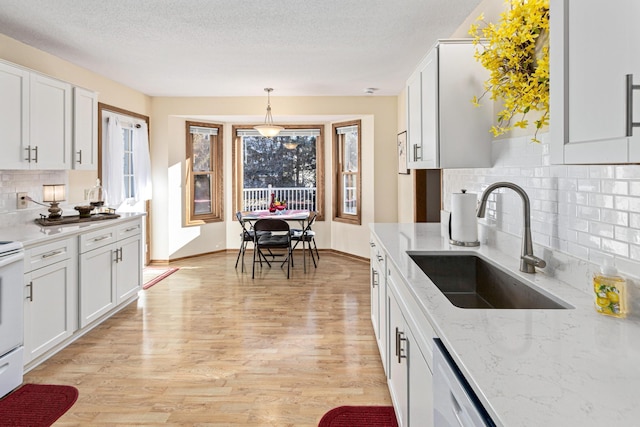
579,212
29,182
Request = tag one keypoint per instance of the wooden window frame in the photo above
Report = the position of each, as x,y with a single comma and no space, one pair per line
217,176
338,195
237,175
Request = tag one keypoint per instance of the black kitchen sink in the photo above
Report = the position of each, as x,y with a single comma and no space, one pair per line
469,281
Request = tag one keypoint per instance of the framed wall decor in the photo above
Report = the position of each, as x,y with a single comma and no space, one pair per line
402,153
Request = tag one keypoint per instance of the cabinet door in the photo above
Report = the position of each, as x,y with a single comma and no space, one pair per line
463,129
14,116
429,153
97,283
50,308
414,119
85,129
129,267
398,381
420,385
50,123
588,81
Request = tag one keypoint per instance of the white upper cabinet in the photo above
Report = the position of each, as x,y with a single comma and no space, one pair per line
593,50
14,116
41,118
85,129
49,123
445,129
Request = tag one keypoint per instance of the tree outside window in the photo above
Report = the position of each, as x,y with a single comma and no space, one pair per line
346,166
288,166
204,173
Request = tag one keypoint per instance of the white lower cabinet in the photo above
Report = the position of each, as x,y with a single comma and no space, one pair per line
409,355
50,305
110,269
378,287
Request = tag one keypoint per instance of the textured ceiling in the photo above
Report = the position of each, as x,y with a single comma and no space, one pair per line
236,48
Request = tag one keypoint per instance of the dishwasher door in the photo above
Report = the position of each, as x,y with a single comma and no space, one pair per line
454,403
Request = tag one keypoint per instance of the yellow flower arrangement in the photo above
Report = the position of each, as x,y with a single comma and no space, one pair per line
516,52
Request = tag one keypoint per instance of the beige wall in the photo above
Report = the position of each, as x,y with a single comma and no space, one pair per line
378,114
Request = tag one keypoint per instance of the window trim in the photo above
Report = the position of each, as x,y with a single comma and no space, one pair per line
217,185
237,174
338,196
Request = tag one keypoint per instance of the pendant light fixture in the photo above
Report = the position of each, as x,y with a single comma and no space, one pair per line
268,129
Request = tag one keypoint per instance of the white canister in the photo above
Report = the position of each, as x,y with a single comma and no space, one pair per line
464,223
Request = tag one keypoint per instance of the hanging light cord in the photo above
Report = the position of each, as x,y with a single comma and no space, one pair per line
268,119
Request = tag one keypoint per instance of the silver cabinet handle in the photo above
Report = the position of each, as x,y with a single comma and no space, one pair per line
415,152
376,279
97,239
28,150
30,286
380,257
36,156
630,88
373,245
80,157
52,253
130,229
120,254
400,352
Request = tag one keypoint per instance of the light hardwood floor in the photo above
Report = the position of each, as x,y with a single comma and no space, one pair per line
210,346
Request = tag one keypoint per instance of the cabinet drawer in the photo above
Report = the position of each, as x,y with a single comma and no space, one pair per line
97,239
50,253
129,229
11,371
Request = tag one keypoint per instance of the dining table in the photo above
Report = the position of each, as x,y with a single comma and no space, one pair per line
300,215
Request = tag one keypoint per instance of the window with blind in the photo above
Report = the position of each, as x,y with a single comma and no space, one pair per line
203,197
346,166
288,166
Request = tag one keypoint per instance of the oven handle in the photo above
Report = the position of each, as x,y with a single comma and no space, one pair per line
10,259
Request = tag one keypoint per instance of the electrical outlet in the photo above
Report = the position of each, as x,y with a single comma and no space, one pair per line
22,202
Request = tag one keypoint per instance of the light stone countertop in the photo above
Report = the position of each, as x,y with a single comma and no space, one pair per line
567,367
21,227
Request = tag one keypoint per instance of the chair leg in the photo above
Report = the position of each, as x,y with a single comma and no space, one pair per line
239,252
312,257
253,265
316,247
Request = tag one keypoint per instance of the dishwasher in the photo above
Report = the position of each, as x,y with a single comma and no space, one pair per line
454,402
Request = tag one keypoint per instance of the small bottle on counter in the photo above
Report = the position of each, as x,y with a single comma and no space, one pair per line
610,291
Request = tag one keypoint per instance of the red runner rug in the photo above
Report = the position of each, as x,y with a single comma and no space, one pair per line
360,416
36,405
167,271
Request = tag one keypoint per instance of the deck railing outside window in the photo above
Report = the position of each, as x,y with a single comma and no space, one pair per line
254,199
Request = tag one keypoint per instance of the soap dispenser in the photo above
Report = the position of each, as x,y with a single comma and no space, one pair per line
610,291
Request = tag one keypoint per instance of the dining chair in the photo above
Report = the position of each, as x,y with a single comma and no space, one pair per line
271,234
306,235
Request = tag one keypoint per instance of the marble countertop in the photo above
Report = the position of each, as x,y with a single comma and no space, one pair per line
570,367
22,227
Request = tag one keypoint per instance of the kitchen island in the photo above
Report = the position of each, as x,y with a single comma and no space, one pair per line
528,367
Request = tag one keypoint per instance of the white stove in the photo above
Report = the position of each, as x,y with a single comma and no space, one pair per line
11,315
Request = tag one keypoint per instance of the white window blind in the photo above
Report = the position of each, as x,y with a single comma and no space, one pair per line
347,129
286,132
203,130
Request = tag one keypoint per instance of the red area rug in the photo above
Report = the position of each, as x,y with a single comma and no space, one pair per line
156,274
36,405
360,416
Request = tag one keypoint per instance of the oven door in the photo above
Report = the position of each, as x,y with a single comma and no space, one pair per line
11,302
